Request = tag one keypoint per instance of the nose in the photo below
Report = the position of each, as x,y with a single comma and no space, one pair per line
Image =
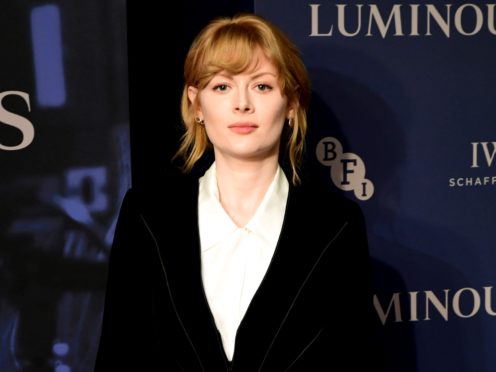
243,108
243,103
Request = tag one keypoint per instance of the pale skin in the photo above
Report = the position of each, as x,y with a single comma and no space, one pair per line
244,115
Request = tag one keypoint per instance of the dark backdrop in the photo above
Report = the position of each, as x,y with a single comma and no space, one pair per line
158,43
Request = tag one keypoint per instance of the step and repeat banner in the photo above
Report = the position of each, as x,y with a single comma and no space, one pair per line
64,161
403,120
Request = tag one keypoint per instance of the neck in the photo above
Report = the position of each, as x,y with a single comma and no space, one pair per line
242,186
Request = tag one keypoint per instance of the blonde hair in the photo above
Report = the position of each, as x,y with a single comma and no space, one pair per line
227,44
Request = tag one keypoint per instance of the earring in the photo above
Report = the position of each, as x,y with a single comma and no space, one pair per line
290,122
200,121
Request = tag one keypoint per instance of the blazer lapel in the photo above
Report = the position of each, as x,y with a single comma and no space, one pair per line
179,248
302,242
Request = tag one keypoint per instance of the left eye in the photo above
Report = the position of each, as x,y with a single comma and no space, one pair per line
263,87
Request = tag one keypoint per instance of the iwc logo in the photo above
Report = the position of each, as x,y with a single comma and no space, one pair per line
483,157
347,168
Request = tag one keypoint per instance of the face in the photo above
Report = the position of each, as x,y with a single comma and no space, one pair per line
244,114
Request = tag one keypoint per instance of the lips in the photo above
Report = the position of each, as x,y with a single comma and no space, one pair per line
243,128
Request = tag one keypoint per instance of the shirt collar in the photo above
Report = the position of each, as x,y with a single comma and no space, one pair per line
215,224
267,220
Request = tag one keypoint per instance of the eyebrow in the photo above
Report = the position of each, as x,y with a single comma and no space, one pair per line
256,76
262,74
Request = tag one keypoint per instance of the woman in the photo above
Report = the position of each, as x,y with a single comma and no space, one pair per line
241,270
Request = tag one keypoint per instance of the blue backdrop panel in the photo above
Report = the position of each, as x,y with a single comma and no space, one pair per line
403,121
64,155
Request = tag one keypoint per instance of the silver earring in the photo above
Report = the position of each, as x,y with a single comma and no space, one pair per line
200,121
290,122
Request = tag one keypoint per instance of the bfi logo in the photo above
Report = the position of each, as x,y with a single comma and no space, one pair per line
347,168
483,154
17,121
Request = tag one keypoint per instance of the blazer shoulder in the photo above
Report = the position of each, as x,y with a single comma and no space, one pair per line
318,197
170,186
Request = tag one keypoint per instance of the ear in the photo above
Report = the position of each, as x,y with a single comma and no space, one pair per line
192,93
193,98
291,114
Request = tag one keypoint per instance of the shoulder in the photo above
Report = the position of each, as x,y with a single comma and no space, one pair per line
164,190
321,199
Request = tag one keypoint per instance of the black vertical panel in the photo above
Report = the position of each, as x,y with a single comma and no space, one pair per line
157,44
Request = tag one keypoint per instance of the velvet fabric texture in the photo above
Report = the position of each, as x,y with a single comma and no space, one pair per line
312,311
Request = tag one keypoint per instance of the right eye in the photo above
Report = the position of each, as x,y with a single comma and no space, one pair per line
220,87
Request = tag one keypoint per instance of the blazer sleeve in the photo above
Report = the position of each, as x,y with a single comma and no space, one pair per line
361,320
358,346
347,343
127,333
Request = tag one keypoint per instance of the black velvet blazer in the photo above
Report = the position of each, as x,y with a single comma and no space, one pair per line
311,312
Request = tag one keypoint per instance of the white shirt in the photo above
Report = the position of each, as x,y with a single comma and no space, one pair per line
235,259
